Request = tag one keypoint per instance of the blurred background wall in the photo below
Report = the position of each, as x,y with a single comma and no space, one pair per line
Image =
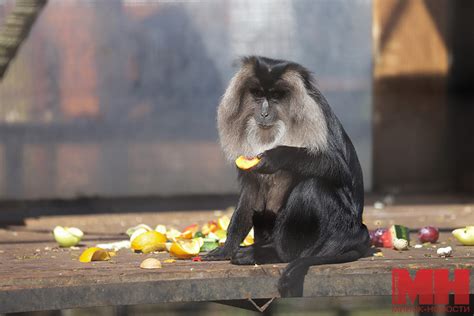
118,98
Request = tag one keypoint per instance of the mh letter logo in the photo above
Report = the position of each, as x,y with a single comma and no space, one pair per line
431,286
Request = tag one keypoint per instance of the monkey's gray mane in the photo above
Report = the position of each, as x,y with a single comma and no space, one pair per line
307,127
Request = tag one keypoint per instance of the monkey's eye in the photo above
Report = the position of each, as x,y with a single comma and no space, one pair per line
258,93
277,94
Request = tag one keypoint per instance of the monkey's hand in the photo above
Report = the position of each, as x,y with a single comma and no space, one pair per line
218,254
272,160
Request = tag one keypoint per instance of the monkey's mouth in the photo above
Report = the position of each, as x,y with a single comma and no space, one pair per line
265,125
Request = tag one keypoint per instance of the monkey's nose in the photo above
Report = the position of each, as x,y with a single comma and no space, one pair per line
264,114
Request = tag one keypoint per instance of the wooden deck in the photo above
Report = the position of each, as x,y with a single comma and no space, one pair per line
37,275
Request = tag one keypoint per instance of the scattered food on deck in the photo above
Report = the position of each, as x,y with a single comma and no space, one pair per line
465,235
400,244
96,254
151,263
428,234
445,252
67,236
149,241
116,245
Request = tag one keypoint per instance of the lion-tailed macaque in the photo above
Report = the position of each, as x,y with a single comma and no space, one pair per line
305,196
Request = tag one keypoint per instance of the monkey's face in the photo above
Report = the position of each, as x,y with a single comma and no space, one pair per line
268,104
267,98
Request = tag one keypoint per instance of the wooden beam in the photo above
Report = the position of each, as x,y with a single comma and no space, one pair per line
16,29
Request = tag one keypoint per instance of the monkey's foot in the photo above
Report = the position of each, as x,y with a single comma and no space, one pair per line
245,256
218,254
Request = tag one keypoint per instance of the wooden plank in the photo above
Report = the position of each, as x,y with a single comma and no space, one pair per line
36,275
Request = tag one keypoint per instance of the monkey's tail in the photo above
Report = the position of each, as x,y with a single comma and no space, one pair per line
292,280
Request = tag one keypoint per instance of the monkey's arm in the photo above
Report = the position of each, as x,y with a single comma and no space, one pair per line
239,227
329,164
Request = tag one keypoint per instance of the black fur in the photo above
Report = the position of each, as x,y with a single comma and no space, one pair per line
320,219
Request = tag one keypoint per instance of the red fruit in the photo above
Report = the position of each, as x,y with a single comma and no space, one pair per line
197,259
428,234
375,236
386,239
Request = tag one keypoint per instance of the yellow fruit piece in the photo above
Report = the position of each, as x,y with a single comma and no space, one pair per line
185,249
200,241
220,234
169,261
149,241
248,241
150,263
161,229
245,163
94,254
187,234
223,222
173,234
465,235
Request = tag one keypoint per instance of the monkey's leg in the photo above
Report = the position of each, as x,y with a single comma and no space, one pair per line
316,227
239,227
261,251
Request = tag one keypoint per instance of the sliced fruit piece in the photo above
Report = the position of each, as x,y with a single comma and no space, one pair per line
173,234
161,229
395,232
465,235
194,228
209,227
212,236
185,249
223,222
200,241
67,236
150,263
94,254
246,163
221,234
131,230
169,261
198,234
209,245
117,245
187,235
248,241
149,242
137,233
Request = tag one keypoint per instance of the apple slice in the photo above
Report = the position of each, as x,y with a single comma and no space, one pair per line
465,235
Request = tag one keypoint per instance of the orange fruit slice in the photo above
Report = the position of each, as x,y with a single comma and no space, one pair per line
94,254
245,163
185,249
188,234
149,241
209,227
